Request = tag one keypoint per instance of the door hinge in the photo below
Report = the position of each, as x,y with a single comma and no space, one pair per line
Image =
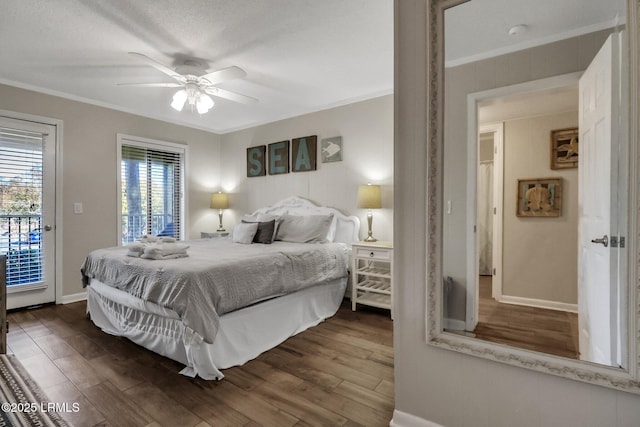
494,211
494,271
617,242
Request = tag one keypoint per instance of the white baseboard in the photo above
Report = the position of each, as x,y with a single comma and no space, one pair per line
68,299
402,419
540,303
454,324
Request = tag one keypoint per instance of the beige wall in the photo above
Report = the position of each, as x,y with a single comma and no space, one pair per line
89,170
89,167
442,386
367,131
540,255
550,60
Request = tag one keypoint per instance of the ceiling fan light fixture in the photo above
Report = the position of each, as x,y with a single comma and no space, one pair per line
179,99
204,103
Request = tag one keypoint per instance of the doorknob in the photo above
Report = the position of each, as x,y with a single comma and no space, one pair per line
47,228
604,241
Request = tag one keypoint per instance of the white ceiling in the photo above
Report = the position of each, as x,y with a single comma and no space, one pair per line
479,29
300,55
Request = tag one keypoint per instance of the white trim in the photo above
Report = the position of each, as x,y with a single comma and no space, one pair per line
539,303
187,124
498,204
68,299
472,288
454,324
403,419
59,209
154,144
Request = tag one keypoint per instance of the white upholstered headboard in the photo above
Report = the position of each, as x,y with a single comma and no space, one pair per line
347,227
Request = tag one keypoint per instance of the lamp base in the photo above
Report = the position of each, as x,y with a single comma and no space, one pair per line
370,237
221,229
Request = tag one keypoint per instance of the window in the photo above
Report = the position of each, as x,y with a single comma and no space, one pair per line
151,188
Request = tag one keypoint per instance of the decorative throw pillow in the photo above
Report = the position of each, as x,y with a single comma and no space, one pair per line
244,232
304,229
265,232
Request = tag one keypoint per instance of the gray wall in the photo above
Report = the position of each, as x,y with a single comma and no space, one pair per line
437,385
550,60
89,171
367,131
540,255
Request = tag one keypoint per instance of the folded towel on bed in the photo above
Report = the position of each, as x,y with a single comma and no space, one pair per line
164,250
136,249
161,249
156,256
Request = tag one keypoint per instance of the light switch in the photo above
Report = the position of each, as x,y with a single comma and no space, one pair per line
77,208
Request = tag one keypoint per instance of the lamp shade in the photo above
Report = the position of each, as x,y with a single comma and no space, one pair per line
219,201
369,197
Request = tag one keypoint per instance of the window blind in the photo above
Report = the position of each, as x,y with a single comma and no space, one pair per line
21,166
151,192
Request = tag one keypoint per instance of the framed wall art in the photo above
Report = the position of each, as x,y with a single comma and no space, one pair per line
564,148
304,154
331,149
539,197
279,158
257,161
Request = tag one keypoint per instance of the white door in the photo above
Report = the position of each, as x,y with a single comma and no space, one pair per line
598,312
27,210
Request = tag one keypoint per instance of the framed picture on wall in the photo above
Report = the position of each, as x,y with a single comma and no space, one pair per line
279,158
257,161
331,149
304,153
564,148
539,197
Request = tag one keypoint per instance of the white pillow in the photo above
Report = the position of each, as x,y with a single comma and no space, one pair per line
304,229
244,232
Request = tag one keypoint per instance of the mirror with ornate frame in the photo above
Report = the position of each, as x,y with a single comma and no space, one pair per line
527,98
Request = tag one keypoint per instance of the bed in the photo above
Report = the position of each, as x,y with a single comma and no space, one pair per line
231,298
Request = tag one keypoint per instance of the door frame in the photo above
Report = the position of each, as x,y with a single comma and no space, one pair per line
473,101
58,211
498,205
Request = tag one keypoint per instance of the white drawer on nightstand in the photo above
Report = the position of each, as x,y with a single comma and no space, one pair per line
370,253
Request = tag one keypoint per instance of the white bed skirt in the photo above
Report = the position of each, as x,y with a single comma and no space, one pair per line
243,335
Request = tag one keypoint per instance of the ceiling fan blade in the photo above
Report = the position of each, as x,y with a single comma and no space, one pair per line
232,96
158,66
151,84
225,74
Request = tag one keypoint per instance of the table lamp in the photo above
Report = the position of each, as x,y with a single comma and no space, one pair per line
369,198
219,201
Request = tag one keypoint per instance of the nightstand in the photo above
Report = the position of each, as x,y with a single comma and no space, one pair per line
206,235
372,275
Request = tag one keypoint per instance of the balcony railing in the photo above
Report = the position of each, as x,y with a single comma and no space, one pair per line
21,242
134,226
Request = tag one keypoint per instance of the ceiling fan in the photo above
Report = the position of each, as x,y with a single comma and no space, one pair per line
196,84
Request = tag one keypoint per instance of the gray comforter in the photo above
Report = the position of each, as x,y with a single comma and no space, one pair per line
218,276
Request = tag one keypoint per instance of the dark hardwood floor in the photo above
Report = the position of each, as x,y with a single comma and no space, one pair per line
339,373
549,331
